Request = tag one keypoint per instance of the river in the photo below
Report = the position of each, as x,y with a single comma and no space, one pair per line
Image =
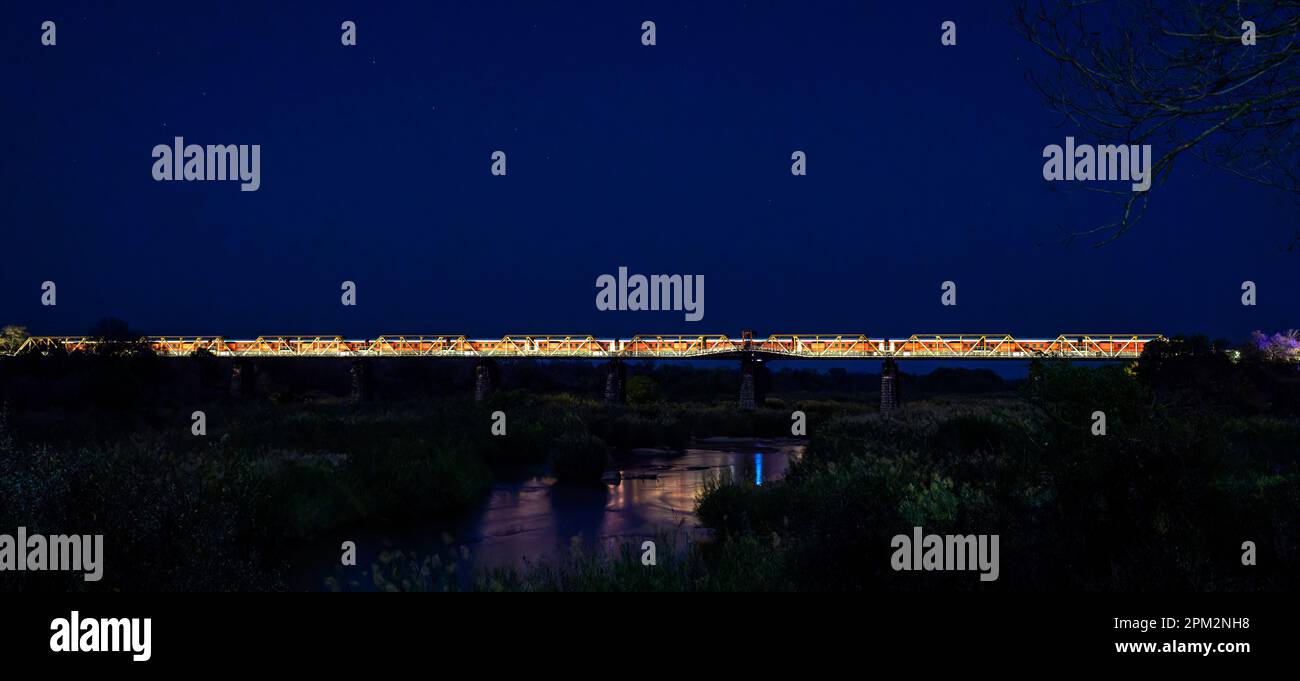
531,518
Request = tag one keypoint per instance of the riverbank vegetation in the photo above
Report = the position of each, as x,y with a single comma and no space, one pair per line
1199,461
226,509
1198,457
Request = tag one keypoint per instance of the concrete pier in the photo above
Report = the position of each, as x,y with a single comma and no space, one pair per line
890,398
615,382
361,381
486,376
753,382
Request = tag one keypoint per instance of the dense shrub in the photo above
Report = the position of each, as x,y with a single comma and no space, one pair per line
1163,501
580,458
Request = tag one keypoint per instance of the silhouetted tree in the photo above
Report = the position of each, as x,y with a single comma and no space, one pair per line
113,329
114,337
1176,74
1186,364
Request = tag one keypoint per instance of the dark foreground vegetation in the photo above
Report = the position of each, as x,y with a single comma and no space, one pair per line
1200,455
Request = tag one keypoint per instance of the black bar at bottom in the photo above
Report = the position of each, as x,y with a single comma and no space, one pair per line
331,631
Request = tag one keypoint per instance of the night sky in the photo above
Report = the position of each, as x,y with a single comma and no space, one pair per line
924,165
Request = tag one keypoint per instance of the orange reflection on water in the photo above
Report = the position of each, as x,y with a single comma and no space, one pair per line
535,519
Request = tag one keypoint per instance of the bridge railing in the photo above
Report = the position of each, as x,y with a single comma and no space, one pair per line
649,346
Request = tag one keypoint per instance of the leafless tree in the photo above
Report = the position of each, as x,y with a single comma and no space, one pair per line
1175,74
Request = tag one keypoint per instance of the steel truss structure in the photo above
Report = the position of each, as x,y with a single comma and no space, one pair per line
646,346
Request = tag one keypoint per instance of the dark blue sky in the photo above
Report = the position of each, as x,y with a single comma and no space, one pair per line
924,165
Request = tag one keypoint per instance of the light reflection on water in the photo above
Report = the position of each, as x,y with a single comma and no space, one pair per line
647,494
656,494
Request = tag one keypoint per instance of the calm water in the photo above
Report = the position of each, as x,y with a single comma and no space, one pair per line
522,521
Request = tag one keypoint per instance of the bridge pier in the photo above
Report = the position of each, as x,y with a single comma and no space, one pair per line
615,382
243,378
361,383
753,382
890,399
485,378
1035,371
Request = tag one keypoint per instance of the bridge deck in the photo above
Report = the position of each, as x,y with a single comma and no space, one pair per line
797,346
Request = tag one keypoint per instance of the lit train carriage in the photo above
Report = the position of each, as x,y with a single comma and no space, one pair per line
989,346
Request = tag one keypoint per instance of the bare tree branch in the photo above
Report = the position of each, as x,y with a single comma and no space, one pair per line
1175,74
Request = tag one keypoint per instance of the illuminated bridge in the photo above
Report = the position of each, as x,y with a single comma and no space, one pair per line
751,350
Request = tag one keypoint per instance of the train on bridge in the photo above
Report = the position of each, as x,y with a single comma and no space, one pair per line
645,346
751,350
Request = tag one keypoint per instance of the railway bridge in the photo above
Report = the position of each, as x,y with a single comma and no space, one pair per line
751,351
